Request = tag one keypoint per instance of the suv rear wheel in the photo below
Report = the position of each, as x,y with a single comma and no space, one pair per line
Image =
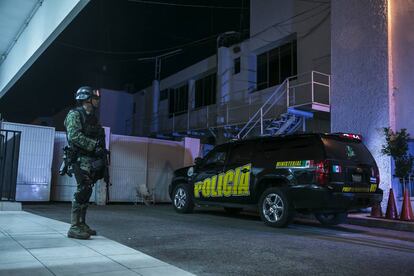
331,218
274,208
182,200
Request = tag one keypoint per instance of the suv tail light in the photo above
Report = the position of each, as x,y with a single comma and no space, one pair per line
375,173
322,172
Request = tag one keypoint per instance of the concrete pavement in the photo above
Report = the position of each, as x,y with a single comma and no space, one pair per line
34,245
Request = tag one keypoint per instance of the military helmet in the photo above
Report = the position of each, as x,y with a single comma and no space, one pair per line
86,92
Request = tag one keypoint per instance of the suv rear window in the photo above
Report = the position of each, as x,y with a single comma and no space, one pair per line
347,150
302,148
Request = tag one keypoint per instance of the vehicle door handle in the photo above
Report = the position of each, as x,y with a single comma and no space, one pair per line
245,170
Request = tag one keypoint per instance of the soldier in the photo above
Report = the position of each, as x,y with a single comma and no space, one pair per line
86,139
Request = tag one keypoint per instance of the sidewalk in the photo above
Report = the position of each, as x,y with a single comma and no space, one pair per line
34,245
364,219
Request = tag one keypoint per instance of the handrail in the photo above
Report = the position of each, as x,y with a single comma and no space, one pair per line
260,111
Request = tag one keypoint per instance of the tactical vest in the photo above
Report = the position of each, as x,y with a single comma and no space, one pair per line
90,127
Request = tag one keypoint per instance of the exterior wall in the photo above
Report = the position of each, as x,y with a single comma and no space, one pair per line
116,108
359,97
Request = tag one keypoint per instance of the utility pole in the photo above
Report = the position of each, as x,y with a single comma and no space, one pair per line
158,59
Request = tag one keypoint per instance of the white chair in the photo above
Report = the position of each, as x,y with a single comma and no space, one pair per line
144,195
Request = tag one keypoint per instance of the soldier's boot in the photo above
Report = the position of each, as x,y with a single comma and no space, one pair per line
76,230
86,227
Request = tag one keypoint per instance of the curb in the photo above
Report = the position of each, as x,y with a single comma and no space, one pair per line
363,219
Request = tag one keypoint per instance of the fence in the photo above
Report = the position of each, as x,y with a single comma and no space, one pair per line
9,159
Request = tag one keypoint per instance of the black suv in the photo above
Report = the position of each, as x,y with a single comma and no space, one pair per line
324,174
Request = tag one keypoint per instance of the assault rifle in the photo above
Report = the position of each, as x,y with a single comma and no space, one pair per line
106,157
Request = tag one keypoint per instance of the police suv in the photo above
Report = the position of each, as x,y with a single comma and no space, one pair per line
324,174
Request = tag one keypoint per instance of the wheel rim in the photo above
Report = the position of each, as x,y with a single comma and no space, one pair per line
180,198
273,207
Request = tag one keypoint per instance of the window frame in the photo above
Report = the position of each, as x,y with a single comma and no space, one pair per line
264,70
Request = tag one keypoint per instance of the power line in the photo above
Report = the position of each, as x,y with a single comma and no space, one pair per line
183,5
98,51
286,20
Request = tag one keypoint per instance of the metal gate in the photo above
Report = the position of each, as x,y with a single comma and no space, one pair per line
9,160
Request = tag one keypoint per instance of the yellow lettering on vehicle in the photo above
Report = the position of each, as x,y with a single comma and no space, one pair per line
206,187
236,181
359,189
231,183
197,188
213,186
373,188
220,185
288,163
244,182
228,183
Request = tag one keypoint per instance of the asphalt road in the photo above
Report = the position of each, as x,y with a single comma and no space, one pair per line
210,242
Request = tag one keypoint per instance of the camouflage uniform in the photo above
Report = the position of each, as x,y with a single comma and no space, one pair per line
84,135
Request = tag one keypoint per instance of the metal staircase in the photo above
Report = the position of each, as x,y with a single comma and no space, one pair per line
297,108
258,118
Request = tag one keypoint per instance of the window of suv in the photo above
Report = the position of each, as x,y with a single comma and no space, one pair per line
242,153
217,156
347,150
295,148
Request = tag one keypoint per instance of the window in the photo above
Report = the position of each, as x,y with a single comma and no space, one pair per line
217,156
178,100
242,154
164,94
205,91
274,66
236,66
134,108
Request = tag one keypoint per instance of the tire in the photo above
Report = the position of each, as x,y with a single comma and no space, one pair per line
232,210
182,199
331,218
274,207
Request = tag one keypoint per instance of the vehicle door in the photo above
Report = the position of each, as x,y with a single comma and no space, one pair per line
239,174
206,175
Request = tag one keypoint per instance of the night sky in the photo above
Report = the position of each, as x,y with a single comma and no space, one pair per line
102,44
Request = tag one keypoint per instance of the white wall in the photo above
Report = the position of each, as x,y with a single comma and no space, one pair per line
360,88
115,110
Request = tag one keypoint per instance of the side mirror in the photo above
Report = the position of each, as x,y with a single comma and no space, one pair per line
198,161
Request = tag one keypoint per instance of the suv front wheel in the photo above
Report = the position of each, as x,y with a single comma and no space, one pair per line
182,199
274,208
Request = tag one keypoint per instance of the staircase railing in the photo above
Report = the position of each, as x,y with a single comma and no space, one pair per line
263,110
